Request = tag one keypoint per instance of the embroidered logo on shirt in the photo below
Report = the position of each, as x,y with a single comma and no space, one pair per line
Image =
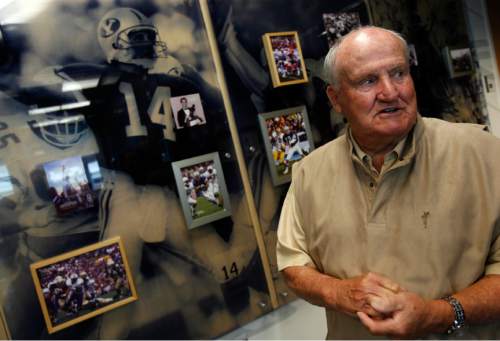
425,217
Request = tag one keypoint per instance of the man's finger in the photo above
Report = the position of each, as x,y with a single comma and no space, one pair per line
376,327
388,284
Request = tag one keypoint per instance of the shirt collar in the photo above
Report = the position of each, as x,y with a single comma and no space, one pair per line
405,149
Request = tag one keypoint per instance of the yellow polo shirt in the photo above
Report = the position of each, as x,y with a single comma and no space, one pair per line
430,220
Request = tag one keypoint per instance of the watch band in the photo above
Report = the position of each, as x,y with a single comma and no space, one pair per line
459,320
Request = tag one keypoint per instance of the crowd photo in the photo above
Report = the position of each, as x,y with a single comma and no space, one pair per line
289,143
339,24
287,58
84,283
202,189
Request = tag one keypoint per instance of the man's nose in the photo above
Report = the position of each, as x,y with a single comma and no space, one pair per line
388,91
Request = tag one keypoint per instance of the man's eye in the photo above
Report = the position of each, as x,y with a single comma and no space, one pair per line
398,73
367,81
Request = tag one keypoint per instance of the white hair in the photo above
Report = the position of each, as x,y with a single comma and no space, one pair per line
330,68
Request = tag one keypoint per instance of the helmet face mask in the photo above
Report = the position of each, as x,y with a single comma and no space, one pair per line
126,36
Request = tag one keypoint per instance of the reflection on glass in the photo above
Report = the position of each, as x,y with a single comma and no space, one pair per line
72,183
6,187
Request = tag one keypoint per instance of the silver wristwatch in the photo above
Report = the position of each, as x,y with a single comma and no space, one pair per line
459,321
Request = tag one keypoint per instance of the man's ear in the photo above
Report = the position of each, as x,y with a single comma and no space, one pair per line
333,96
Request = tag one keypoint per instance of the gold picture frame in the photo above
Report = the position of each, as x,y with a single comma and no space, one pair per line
78,285
284,58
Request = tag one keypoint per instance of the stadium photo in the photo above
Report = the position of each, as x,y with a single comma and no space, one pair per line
83,283
285,58
202,189
288,140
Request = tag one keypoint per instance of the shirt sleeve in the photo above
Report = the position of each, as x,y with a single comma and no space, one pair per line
493,262
291,248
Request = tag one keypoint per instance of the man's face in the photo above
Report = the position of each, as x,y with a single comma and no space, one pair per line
184,103
375,92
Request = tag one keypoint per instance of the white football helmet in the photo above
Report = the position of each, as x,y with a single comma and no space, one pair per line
126,35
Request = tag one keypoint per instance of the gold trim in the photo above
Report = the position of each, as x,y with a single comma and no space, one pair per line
239,153
266,40
4,329
35,266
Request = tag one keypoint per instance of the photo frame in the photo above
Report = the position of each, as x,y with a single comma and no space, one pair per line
83,283
287,138
458,61
202,189
284,58
188,111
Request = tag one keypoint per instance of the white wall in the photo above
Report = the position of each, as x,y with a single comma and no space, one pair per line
479,32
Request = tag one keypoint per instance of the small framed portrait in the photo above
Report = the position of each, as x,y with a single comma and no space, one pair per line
73,183
188,111
202,189
338,25
284,57
83,283
459,61
287,139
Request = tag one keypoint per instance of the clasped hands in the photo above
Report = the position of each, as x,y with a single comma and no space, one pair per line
383,306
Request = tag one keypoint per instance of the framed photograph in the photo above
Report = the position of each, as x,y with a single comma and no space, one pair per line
202,189
188,111
287,139
83,283
459,61
339,24
73,183
284,57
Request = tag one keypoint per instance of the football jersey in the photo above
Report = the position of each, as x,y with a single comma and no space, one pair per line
130,114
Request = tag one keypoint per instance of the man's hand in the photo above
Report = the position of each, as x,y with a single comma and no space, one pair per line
411,316
371,293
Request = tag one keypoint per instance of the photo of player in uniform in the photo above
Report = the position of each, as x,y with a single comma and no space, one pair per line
285,59
68,184
287,138
188,111
83,283
339,24
202,189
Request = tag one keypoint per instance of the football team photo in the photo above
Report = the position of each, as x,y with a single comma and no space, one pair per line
284,57
288,139
83,283
202,189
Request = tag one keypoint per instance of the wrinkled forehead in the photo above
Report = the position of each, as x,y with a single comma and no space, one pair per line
368,46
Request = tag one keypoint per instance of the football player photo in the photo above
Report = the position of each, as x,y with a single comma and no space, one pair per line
68,182
201,186
288,139
284,57
188,111
83,283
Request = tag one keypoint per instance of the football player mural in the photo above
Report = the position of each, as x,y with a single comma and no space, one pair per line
105,101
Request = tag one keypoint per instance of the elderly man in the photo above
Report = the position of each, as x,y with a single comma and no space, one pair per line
394,227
